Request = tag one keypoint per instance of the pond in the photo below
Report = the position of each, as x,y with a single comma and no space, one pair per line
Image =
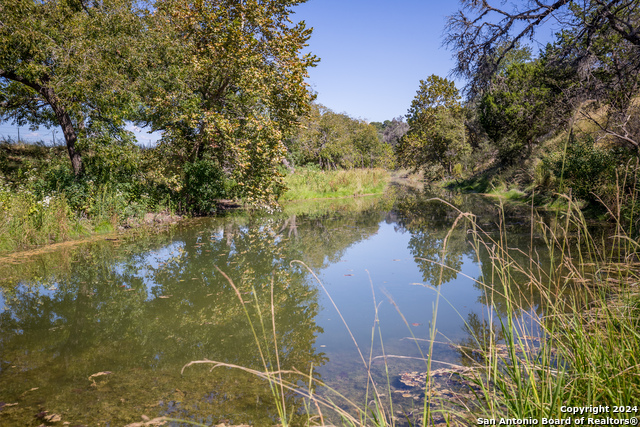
98,333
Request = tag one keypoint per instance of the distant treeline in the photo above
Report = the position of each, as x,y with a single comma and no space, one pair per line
335,140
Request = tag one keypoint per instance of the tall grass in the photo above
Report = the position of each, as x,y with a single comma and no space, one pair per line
42,202
309,183
582,352
588,350
26,221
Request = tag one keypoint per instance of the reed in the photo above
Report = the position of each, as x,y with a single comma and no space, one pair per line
587,350
583,351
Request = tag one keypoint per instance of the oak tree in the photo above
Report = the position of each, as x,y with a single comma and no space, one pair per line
68,63
228,86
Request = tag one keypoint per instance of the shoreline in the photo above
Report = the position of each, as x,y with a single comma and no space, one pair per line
151,222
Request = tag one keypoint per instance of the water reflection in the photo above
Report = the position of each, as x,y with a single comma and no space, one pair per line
100,332
135,311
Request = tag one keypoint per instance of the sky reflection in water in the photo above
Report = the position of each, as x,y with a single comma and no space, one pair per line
137,310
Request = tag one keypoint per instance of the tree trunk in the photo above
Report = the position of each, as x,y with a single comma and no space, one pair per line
70,138
64,120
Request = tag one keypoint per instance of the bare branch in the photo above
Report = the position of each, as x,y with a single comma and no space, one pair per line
476,39
606,128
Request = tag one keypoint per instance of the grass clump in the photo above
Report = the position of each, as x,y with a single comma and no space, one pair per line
28,221
312,183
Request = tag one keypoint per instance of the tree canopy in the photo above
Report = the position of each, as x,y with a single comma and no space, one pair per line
524,101
332,140
482,34
436,136
597,52
223,80
236,89
68,63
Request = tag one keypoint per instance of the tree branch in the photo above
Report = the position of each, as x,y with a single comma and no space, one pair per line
61,115
607,130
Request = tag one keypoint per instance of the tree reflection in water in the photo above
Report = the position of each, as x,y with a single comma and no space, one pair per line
137,310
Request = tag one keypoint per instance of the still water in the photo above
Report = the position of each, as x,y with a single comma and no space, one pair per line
98,333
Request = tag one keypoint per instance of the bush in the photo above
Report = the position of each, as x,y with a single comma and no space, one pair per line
433,172
204,183
113,161
27,220
586,168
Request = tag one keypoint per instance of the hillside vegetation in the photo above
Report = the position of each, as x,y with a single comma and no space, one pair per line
532,125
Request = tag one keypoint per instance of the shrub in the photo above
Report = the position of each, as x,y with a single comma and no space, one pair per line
586,168
433,172
204,182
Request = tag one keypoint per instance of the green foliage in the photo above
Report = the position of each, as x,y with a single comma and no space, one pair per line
231,91
437,138
69,64
457,170
48,203
523,103
225,95
204,183
586,168
587,80
110,160
527,111
28,221
332,140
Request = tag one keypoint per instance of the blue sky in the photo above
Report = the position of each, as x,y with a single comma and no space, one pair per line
374,53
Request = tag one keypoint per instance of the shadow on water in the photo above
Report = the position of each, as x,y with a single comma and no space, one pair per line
99,332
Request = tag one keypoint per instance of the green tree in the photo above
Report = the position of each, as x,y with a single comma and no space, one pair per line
68,63
437,135
599,44
393,130
335,140
228,83
524,102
